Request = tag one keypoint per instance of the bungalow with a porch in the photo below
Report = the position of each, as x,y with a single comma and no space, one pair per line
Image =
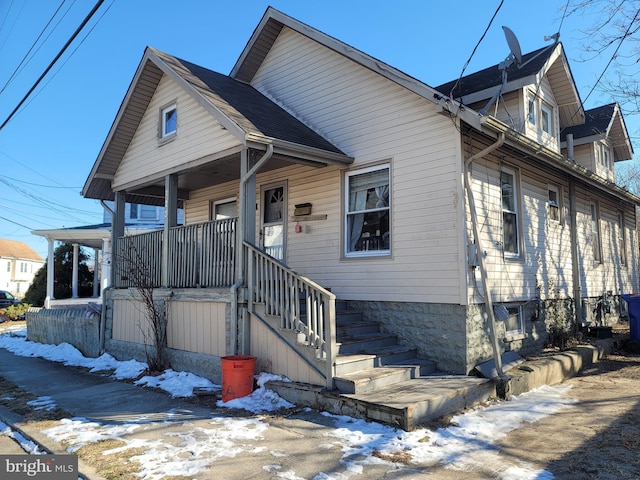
341,216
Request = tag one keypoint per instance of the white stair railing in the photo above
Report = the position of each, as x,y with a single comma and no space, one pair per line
283,292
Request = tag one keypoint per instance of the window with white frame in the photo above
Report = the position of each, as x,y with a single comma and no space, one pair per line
510,227
595,232
604,156
9,266
368,212
622,239
540,114
546,119
531,112
223,209
553,204
168,120
23,267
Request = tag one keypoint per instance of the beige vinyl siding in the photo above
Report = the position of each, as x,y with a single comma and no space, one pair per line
375,121
198,135
583,155
273,356
130,323
608,274
191,326
197,327
545,253
545,256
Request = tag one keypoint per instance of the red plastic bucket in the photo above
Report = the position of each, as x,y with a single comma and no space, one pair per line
237,376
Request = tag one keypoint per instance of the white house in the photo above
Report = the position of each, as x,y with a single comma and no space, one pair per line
324,190
18,265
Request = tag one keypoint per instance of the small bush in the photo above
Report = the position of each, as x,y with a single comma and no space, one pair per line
15,312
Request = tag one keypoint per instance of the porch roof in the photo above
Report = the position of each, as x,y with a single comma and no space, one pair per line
90,235
245,112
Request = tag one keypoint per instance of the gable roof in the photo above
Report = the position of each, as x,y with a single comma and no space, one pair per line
272,23
550,61
240,108
601,123
18,250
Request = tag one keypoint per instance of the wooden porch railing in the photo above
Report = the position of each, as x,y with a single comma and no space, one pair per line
302,306
200,255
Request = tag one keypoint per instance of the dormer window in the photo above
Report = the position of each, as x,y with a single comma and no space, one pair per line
531,116
168,121
545,119
604,156
540,115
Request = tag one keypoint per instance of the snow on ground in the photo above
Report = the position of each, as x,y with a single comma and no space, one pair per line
466,445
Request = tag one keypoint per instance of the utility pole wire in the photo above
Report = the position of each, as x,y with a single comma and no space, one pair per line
64,48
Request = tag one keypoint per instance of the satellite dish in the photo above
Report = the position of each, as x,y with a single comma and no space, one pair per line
515,55
513,43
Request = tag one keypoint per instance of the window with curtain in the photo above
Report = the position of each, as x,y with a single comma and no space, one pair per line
367,226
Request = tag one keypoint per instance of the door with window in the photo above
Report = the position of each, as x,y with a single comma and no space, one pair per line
274,220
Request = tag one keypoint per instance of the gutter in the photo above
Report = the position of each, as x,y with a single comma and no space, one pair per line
239,245
483,271
558,161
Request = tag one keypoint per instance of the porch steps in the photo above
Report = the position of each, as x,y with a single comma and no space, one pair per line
379,379
406,405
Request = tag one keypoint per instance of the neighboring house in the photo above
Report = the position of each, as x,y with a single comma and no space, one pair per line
317,182
18,265
138,219
140,214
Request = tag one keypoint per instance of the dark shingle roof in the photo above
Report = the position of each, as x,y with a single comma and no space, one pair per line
251,110
596,122
492,77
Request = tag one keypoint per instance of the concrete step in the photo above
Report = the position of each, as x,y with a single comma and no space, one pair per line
356,328
394,354
366,343
406,404
370,379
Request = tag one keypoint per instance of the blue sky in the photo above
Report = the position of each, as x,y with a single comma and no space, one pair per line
49,147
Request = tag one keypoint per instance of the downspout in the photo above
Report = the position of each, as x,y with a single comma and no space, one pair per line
103,313
483,272
239,242
573,235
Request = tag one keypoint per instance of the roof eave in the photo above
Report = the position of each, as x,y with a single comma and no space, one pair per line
556,160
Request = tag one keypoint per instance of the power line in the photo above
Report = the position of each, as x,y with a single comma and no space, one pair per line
475,48
64,48
24,59
15,223
72,53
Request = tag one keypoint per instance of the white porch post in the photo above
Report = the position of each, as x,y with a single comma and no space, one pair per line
105,281
74,278
170,220
96,272
50,277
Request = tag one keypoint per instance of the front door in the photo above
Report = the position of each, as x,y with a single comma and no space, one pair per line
274,220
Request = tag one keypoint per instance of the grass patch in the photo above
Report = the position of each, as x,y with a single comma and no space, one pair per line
17,400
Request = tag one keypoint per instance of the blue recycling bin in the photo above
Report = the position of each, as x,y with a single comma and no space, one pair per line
633,303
